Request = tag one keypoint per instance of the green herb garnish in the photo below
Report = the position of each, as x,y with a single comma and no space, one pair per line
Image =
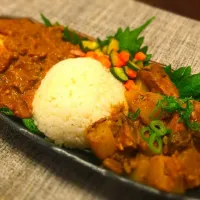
46,21
102,43
153,134
145,131
135,115
148,58
6,111
144,50
72,37
158,127
155,139
129,39
68,35
178,75
57,24
28,122
188,84
30,125
183,106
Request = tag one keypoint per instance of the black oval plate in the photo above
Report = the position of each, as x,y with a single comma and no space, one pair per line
86,158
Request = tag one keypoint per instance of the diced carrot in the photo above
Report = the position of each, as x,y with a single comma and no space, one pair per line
140,56
104,60
120,63
131,73
91,54
124,55
116,60
129,84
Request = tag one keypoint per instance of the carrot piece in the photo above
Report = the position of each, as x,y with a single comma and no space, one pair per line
91,54
140,56
120,63
116,60
131,73
104,60
129,84
124,55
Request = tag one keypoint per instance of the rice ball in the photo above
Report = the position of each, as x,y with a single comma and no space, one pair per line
74,94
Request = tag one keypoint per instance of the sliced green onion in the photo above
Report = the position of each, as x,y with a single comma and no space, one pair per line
158,127
155,139
143,131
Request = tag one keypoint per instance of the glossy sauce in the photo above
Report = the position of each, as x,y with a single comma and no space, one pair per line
27,51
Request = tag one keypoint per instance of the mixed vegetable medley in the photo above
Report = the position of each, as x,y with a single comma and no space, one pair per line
158,142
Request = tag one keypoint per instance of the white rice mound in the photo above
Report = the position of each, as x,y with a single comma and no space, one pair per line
74,94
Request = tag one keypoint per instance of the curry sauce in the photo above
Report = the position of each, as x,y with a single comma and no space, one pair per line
27,51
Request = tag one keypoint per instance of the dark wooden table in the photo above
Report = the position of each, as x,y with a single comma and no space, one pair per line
188,8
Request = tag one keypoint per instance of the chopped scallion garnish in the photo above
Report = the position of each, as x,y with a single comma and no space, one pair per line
145,131
155,143
158,127
155,131
135,115
183,106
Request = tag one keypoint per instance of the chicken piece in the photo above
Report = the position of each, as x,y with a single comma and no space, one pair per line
101,139
179,137
157,80
146,102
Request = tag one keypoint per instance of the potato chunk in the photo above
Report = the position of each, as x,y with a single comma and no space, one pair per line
146,102
101,139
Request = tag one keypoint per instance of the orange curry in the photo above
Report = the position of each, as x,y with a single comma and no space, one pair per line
118,142
28,50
